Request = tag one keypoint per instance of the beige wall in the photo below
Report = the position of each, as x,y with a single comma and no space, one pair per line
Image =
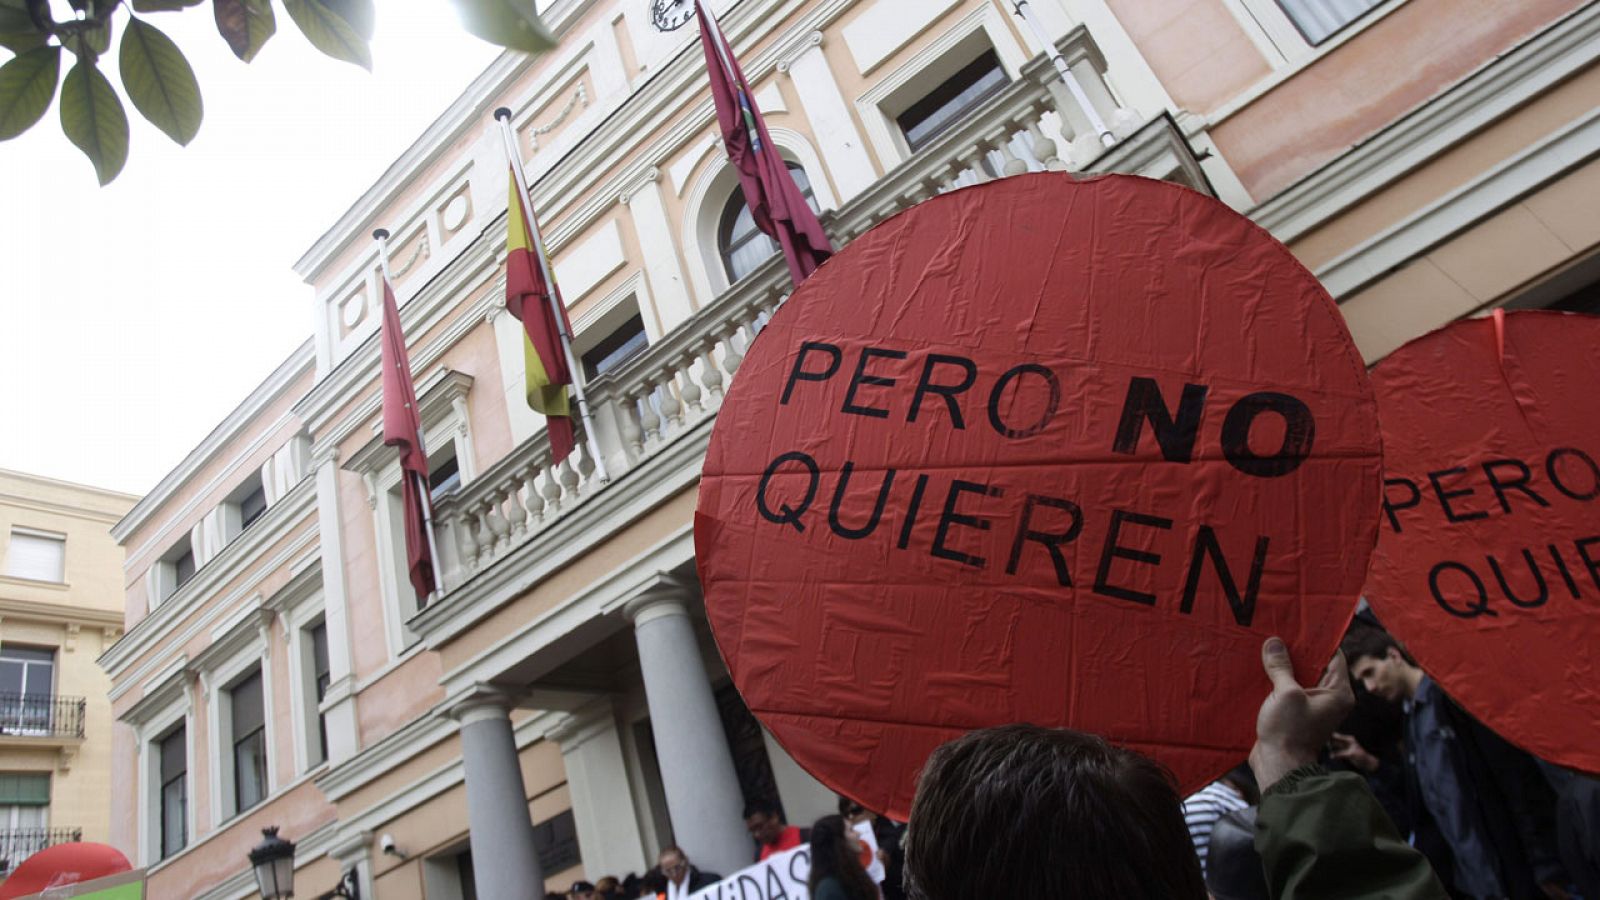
77,619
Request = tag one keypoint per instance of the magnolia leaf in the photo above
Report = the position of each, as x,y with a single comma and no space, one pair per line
92,117
510,23
245,25
86,39
150,6
360,15
27,85
17,31
329,32
159,81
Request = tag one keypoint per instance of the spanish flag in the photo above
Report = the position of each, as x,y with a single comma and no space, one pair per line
535,302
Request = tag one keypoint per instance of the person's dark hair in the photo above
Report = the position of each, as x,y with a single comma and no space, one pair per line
1364,641
1027,811
848,807
1243,779
762,805
832,856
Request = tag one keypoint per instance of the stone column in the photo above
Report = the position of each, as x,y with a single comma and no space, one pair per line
501,829
841,146
703,796
339,704
597,777
668,290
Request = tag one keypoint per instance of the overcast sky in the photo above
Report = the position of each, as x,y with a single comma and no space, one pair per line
137,316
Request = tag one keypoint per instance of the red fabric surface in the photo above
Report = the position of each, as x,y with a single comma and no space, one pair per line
865,633
775,200
525,286
1488,559
63,864
403,429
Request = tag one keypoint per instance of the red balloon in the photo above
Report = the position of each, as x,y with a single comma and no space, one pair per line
1488,559
63,864
1042,450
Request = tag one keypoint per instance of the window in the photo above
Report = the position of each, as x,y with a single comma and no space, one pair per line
321,677
248,713
556,841
744,246
37,556
620,345
444,477
24,816
1319,20
174,771
252,506
469,881
27,687
952,100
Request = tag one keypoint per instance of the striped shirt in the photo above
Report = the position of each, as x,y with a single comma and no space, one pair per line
1202,810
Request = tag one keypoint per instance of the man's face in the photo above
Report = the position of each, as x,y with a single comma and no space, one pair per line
674,866
1383,677
764,827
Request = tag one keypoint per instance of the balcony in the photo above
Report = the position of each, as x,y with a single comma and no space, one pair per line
17,844
654,413
41,718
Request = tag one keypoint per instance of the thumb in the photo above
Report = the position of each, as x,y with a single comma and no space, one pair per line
1275,659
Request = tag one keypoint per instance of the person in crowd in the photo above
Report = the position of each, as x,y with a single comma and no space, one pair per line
1578,830
836,870
1233,867
682,877
608,888
888,834
1489,801
1022,810
581,890
769,830
1202,809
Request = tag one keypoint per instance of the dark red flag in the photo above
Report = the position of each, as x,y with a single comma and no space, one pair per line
770,191
403,429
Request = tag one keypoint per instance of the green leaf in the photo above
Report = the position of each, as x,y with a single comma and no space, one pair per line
510,23
359,14
27,85
150,6
245,25
329,32
86,39
17,31
92,117
159,81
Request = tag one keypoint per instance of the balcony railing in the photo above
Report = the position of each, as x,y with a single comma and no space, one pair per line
677,383
41,715
17,844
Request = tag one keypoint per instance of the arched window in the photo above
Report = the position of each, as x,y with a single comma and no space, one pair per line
744,246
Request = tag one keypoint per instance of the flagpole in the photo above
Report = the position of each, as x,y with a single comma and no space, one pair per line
720,39
1025,13
591,439
381,235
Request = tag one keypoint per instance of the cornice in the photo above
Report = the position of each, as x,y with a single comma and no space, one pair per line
465,112
242,417
246,551
58,613
435,395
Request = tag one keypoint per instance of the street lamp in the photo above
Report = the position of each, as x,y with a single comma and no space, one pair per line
273,860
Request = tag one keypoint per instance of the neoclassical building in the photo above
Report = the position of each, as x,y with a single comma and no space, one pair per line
561,711
60,607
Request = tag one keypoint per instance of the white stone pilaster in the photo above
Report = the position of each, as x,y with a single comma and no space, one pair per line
339,704
668,288
838,142
597,777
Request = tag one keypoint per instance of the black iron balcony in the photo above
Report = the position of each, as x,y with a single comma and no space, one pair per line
41,715
17,844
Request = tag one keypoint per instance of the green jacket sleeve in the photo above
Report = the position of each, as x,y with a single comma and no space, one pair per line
1324,837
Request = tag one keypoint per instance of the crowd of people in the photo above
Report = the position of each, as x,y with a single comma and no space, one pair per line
1371,784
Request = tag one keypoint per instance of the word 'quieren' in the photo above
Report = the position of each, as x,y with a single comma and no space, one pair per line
1042,524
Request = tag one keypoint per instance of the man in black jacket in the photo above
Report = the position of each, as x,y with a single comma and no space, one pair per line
1488,800
683,879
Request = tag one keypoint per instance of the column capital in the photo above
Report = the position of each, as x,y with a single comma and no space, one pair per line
480,702
664,594
350,848
575,728
805,44
632,186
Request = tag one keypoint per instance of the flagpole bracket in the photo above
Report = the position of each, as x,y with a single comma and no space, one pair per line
503,114
380,234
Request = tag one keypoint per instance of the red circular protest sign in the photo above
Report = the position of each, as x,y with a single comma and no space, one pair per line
1488,559
1042,450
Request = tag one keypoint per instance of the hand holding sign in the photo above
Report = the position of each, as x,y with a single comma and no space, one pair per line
1488,560
1042,450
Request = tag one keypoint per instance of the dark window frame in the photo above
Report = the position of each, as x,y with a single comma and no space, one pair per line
623,343
255,738
175,778
736,225
949,103
1306,36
